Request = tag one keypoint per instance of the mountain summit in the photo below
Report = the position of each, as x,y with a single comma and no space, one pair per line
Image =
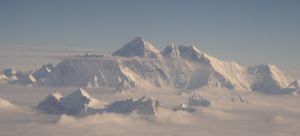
138,48
183,67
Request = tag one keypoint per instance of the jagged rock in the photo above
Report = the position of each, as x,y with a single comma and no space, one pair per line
124,85
196,100
78,102
145,106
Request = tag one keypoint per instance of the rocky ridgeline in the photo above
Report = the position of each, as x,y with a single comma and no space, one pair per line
140,64
80,103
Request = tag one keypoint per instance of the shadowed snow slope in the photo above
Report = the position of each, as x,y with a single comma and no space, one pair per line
77,103
139,64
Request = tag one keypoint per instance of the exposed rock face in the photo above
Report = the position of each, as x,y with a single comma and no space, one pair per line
145,106
77,103
124,84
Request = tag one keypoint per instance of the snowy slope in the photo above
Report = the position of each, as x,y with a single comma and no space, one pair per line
140,64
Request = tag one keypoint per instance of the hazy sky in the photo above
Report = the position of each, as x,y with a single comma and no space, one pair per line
247,31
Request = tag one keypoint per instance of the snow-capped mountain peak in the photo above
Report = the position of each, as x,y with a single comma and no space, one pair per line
78,98
77,103
138,48
51,104
268,78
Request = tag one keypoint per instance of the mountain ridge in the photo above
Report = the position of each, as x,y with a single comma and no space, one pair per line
140,64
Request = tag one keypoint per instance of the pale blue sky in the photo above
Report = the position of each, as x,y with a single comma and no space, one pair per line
247,31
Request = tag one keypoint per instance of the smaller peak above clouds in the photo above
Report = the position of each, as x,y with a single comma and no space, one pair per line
144,106
192,103
268,78
77,103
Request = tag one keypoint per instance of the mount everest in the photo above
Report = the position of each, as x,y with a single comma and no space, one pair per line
140,64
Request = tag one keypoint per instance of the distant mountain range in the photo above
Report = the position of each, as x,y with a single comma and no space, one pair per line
140,64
